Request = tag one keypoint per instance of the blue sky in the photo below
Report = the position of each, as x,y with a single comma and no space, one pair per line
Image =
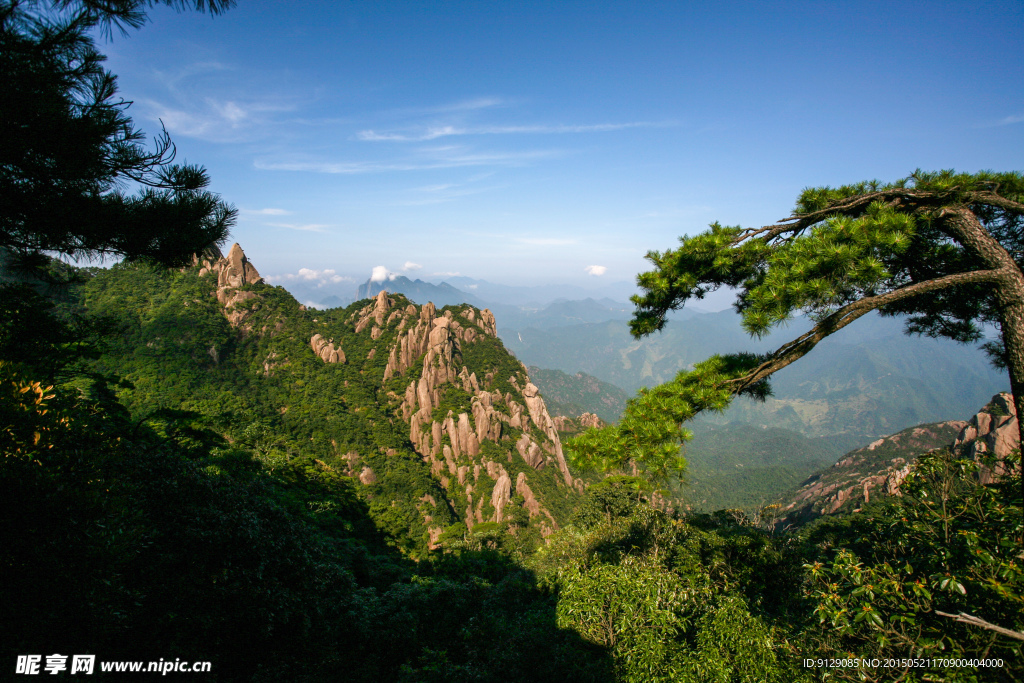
525,143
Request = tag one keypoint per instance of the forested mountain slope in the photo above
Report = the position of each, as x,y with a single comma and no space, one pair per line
423,407
573,395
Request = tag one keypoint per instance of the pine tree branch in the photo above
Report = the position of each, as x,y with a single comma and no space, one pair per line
802,345
901,196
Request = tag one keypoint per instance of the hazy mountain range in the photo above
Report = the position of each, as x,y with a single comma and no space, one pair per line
868,381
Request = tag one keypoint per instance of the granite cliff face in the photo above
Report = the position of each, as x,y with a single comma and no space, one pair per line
877,470
429,353
473,418
233,272
994,430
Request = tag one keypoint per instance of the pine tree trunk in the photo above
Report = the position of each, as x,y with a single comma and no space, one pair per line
969,231
1013,343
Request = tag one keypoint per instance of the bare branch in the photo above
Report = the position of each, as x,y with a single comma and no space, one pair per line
978,621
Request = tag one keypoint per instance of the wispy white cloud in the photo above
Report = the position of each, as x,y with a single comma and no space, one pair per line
409,265
546,241
437,159
433,133
1010,120
679,212
447,274
219,102
212,119
435,188
320,278
447,192
465,106
471,104
266,212
596,270
308,227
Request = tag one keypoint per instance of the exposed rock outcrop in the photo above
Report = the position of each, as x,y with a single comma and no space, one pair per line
878,469
868,473
994,430
326,350
573,425
452,444
500,496
233,271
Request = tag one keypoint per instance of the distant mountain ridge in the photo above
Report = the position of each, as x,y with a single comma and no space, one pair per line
877,470
868,381
421,292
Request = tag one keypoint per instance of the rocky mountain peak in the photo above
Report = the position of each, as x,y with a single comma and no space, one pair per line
429,348
233,272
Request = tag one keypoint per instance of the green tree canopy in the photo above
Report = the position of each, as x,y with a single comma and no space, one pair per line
75,175
945,248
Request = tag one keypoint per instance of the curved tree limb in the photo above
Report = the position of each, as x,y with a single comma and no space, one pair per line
802,345
897,196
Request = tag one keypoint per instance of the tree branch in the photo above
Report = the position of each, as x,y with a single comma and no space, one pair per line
797,223
978,621
802,345
994,199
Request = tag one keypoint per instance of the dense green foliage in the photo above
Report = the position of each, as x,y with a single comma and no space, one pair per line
739,466
714,598
947,544
141,532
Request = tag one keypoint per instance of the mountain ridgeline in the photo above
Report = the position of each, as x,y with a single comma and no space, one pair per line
379,492
423,407
877,471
